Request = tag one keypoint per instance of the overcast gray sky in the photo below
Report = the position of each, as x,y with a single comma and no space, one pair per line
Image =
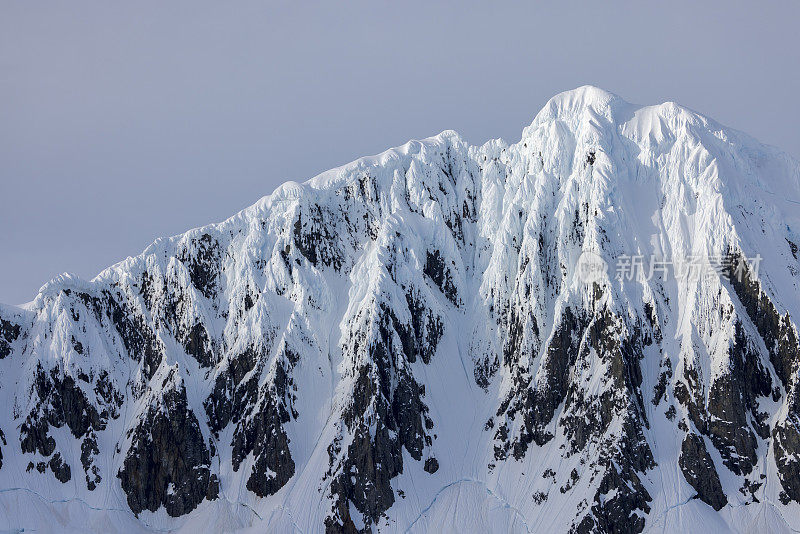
124,121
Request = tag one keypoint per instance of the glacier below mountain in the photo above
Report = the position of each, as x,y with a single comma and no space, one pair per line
411,343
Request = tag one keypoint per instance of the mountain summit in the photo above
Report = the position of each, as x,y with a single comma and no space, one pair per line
592,330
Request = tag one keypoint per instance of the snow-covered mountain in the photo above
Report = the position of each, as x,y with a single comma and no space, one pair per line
412,342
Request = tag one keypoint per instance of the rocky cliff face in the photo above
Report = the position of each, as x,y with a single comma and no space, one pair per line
413,341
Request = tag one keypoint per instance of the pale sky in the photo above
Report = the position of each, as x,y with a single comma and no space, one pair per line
123,122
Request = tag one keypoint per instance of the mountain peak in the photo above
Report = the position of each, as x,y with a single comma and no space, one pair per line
583,96
503,329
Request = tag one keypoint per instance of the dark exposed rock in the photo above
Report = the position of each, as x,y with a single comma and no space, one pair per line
168,463
587,418
230,398
731,400
431,465
263,435
371,463
34,437
61,401
197,345
539,404
88,451
690,395
202,259
792,247
259,416
778,333
780,338
314,238
485,368
399,420
436,269
617,513
425,332
340,522
40,467
621,499
574,477
731,418
786,445
60,470
699,471
77,345
249,302
177,315
560,360
9,332
664,378
139,339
